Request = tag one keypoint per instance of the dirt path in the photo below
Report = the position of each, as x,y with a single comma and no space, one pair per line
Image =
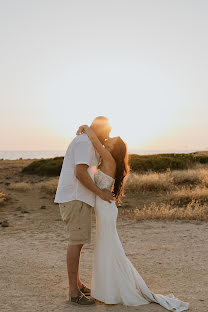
170,256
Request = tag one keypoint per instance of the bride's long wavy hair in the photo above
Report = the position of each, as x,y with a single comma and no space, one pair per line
120,154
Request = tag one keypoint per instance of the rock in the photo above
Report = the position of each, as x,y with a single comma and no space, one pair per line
7,183
24,211
19,208
5,223
43,207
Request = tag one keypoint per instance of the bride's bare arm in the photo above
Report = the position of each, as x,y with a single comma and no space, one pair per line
104,153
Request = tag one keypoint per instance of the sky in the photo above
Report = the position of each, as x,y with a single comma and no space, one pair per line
141,63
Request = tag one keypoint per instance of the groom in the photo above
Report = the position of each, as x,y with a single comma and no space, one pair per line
75,195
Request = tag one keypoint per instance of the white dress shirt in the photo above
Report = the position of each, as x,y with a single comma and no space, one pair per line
80,151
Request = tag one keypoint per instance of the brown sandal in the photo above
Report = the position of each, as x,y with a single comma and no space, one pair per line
85,290
81,299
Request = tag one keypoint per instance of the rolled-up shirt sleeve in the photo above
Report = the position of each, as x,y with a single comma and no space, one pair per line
83,153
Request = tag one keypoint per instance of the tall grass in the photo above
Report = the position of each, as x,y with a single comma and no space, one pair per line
20,186
173,194
48,186
148,182
183,194
186,194
168,181
192,211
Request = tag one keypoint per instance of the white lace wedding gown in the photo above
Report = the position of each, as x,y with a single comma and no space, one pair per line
114,278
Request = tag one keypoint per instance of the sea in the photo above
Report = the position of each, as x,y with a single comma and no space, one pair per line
12,155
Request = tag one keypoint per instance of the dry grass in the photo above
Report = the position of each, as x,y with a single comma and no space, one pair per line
20,186
194,176
187,194
48,186
168,181
148,182
184,193
178,194
193,211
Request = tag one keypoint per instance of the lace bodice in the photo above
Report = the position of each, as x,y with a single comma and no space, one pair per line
102,180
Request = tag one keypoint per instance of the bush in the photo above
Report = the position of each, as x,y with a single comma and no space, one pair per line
164,162
45,167
138,163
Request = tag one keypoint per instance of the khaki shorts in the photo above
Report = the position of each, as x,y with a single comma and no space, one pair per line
77,216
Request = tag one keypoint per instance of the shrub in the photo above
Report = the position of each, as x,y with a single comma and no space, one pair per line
138,163
45,167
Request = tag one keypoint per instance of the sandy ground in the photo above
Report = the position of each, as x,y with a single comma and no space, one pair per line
170,256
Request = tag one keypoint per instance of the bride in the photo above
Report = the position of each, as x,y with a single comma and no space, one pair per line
114,278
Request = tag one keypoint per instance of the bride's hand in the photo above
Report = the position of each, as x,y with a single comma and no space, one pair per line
89,132
82,129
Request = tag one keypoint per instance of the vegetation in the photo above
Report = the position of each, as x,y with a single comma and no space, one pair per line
163,162
138,163
168,194
45,167
176,194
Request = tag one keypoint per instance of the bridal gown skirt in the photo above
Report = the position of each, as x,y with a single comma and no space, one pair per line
114,278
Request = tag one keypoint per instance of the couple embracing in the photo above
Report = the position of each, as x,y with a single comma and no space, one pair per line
93,175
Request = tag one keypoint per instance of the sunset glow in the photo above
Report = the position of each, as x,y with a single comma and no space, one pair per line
143,66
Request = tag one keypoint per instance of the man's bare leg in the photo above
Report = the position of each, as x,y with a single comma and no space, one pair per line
73,256
79,283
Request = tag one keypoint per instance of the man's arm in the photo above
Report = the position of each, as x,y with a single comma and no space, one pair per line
84,177
103,152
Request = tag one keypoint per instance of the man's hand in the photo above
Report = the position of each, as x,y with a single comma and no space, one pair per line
85,129
106,195
83,176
